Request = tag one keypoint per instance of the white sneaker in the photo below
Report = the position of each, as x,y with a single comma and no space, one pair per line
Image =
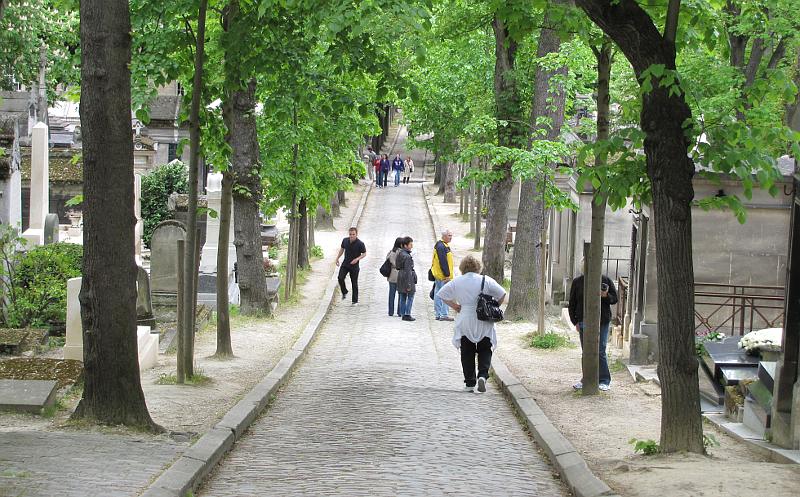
603,387
578,385
481,385
469,389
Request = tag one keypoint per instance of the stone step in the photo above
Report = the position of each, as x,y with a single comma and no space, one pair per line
27,395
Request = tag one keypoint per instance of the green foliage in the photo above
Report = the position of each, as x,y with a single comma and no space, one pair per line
549,341
156,189
35,282
709,440
646,447
272,252
699,346
316,252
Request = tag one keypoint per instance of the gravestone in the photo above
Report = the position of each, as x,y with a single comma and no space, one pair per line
207,279
73,348
164,268
137,212
27,395
40,185
144,301
10,176
50,234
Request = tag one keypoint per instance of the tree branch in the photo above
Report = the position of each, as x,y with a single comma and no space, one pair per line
777,54
671,24
3,5
756,55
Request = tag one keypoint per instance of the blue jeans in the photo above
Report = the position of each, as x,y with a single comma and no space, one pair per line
604,377
406,301
379,178
396,177
438,304
392,298
385,177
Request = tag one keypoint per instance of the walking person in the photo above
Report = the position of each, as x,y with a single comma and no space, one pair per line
408,168
406,278
385,166
370,157
392,278
442,269
472,337
354,250
397,168
608,297
377,164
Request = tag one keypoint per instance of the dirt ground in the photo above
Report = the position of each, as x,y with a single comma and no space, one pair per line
258,345
600,427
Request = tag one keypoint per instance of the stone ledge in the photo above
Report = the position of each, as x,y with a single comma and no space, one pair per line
187,473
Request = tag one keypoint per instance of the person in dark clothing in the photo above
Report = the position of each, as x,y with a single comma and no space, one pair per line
608,297
397,167
406,278
386,164
354,250
377,164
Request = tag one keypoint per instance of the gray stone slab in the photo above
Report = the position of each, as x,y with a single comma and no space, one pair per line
159,492
579,477
27,395
210,448
551,440
181,477
240,417
528,407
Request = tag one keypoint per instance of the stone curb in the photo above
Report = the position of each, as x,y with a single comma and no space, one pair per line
570,465
189,470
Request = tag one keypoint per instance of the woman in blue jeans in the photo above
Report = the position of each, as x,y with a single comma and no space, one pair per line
392,279
406,278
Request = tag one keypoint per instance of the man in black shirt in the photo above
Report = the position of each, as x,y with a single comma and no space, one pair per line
608,297
354,250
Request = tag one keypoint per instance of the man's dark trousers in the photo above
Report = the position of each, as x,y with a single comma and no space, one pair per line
468,350
353,270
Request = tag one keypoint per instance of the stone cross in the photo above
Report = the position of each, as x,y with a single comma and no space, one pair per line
10,177
40,185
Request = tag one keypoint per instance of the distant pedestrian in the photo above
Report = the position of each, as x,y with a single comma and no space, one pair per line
442,269
385,167
354,250
608,297
408,168
376,163
406,278
370,156
397,168
392,278
472,336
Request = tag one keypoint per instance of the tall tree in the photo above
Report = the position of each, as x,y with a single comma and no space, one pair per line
224,345
112,391
547,116
664,116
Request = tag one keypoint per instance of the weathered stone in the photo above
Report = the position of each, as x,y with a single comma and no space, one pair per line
40,185
73,348
144,300
10,177
27,395
50,234
640,349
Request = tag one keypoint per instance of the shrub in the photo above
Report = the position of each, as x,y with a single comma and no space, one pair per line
549,340
316,252
157,186
39,285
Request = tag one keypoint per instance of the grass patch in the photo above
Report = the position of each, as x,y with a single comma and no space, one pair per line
507,284
470,235
548,341
197,380
617,366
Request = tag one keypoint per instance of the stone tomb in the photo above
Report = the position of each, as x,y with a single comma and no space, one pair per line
164,268
10,176
144,300
40,185
27,395
207,279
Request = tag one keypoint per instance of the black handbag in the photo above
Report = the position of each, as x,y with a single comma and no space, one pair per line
386,268
488,307
431,277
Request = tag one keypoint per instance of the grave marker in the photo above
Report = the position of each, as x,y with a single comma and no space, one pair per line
40,185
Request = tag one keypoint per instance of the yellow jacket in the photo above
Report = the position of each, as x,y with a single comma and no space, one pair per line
442,264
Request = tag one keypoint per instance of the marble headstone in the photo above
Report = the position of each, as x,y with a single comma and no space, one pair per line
10,177
40,185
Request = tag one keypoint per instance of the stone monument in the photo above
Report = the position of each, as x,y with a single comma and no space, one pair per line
164,268
137,212
73,349
40,185
10,177
144,301
207,280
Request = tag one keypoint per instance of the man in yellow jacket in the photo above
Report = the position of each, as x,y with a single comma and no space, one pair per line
442,269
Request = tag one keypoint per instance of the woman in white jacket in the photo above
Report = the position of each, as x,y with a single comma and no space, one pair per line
472,336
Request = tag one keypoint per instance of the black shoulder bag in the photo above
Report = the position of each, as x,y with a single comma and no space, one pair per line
488,307
386,268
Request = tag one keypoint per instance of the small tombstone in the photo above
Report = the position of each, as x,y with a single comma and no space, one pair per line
10,177
164,268
51,229
73,348
27,395
40,185
144,301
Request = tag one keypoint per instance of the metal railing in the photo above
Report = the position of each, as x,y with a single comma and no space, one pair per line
616,261
736,309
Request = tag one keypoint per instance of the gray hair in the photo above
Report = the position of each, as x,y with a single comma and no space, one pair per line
446,232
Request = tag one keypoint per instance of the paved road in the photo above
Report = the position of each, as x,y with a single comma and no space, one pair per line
377,407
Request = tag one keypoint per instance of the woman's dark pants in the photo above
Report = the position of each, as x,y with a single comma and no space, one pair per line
468,351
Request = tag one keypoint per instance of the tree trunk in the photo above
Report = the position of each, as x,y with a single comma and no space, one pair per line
548,102
793,108
311,227
336,211
324,220
112,392
450,184
509,109
243,139
342,198
471,207
670,171
224,346
478,217
302,235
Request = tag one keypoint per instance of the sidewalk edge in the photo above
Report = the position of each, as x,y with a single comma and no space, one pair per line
188,471
562,454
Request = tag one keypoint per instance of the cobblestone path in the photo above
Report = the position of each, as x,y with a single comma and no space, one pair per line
377,406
